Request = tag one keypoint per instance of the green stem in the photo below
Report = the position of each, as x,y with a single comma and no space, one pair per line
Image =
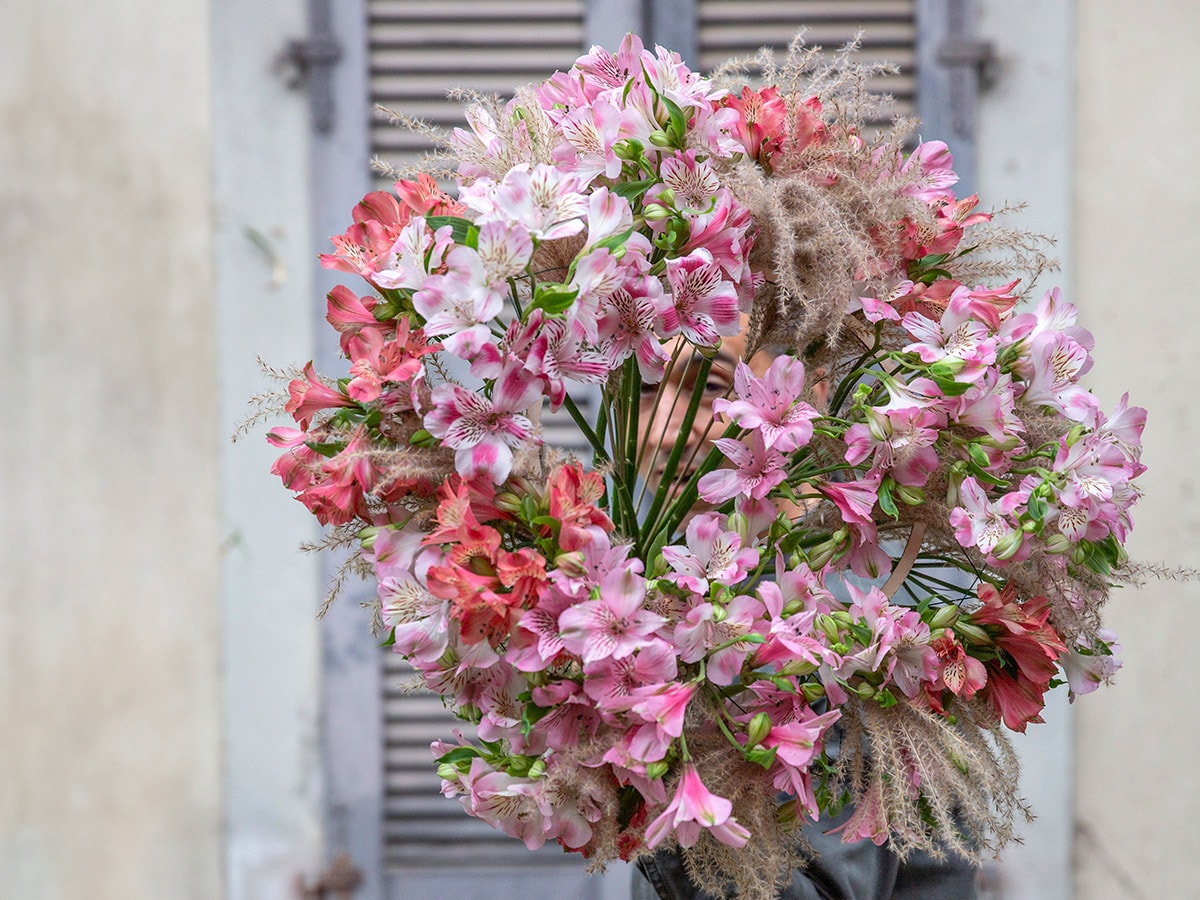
663,488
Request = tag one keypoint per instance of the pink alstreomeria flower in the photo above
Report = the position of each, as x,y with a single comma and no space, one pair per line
615,624
759,469
483,432
695,807
771,404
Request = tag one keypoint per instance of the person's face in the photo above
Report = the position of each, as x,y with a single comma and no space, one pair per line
661,423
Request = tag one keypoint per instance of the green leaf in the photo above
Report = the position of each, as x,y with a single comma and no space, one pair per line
677,126
929,276
613,241
886,502
554,298
983,474
764,756
631,189
950,387
458,225
457,755
629,801
390,640
328,449
531,714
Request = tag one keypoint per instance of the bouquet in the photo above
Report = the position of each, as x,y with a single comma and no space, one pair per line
848,515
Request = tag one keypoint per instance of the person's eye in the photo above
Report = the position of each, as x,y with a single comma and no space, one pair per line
713,386
649,390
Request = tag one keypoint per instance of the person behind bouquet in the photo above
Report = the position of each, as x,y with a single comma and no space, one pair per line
837,871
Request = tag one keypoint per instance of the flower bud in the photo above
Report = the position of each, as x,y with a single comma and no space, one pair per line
666,196
793,607
507,501
571,564
628,149
954,480
827,626
447,772
522,486
820,555
786,815
367,537
797,667
759,728
812,691
864,690
877,425
947,367
1058,543
738,522
660,139
538,769
911,496
959,762
1008,546
944,617
655,212
719,613
972,633
657,769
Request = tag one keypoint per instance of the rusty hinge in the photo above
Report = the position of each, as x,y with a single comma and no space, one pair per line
338,882
310,61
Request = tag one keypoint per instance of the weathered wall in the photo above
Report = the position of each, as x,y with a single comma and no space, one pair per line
109,617
1136,194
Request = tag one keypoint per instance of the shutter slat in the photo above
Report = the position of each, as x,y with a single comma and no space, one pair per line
463,68
476,34
812,11
381,11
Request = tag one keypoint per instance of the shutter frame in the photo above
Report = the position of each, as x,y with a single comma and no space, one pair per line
416,51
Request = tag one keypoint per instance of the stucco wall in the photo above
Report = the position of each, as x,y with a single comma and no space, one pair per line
1137,191
111,583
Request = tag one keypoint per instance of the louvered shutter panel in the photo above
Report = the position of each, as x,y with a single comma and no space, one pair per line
420,49
738,28
417,51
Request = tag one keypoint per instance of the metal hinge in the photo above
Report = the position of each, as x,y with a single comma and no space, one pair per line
310,61
977,54
338,882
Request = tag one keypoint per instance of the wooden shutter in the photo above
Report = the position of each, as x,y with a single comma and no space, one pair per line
417,51
738,28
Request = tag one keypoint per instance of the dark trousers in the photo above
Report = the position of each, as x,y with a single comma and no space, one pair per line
859,871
